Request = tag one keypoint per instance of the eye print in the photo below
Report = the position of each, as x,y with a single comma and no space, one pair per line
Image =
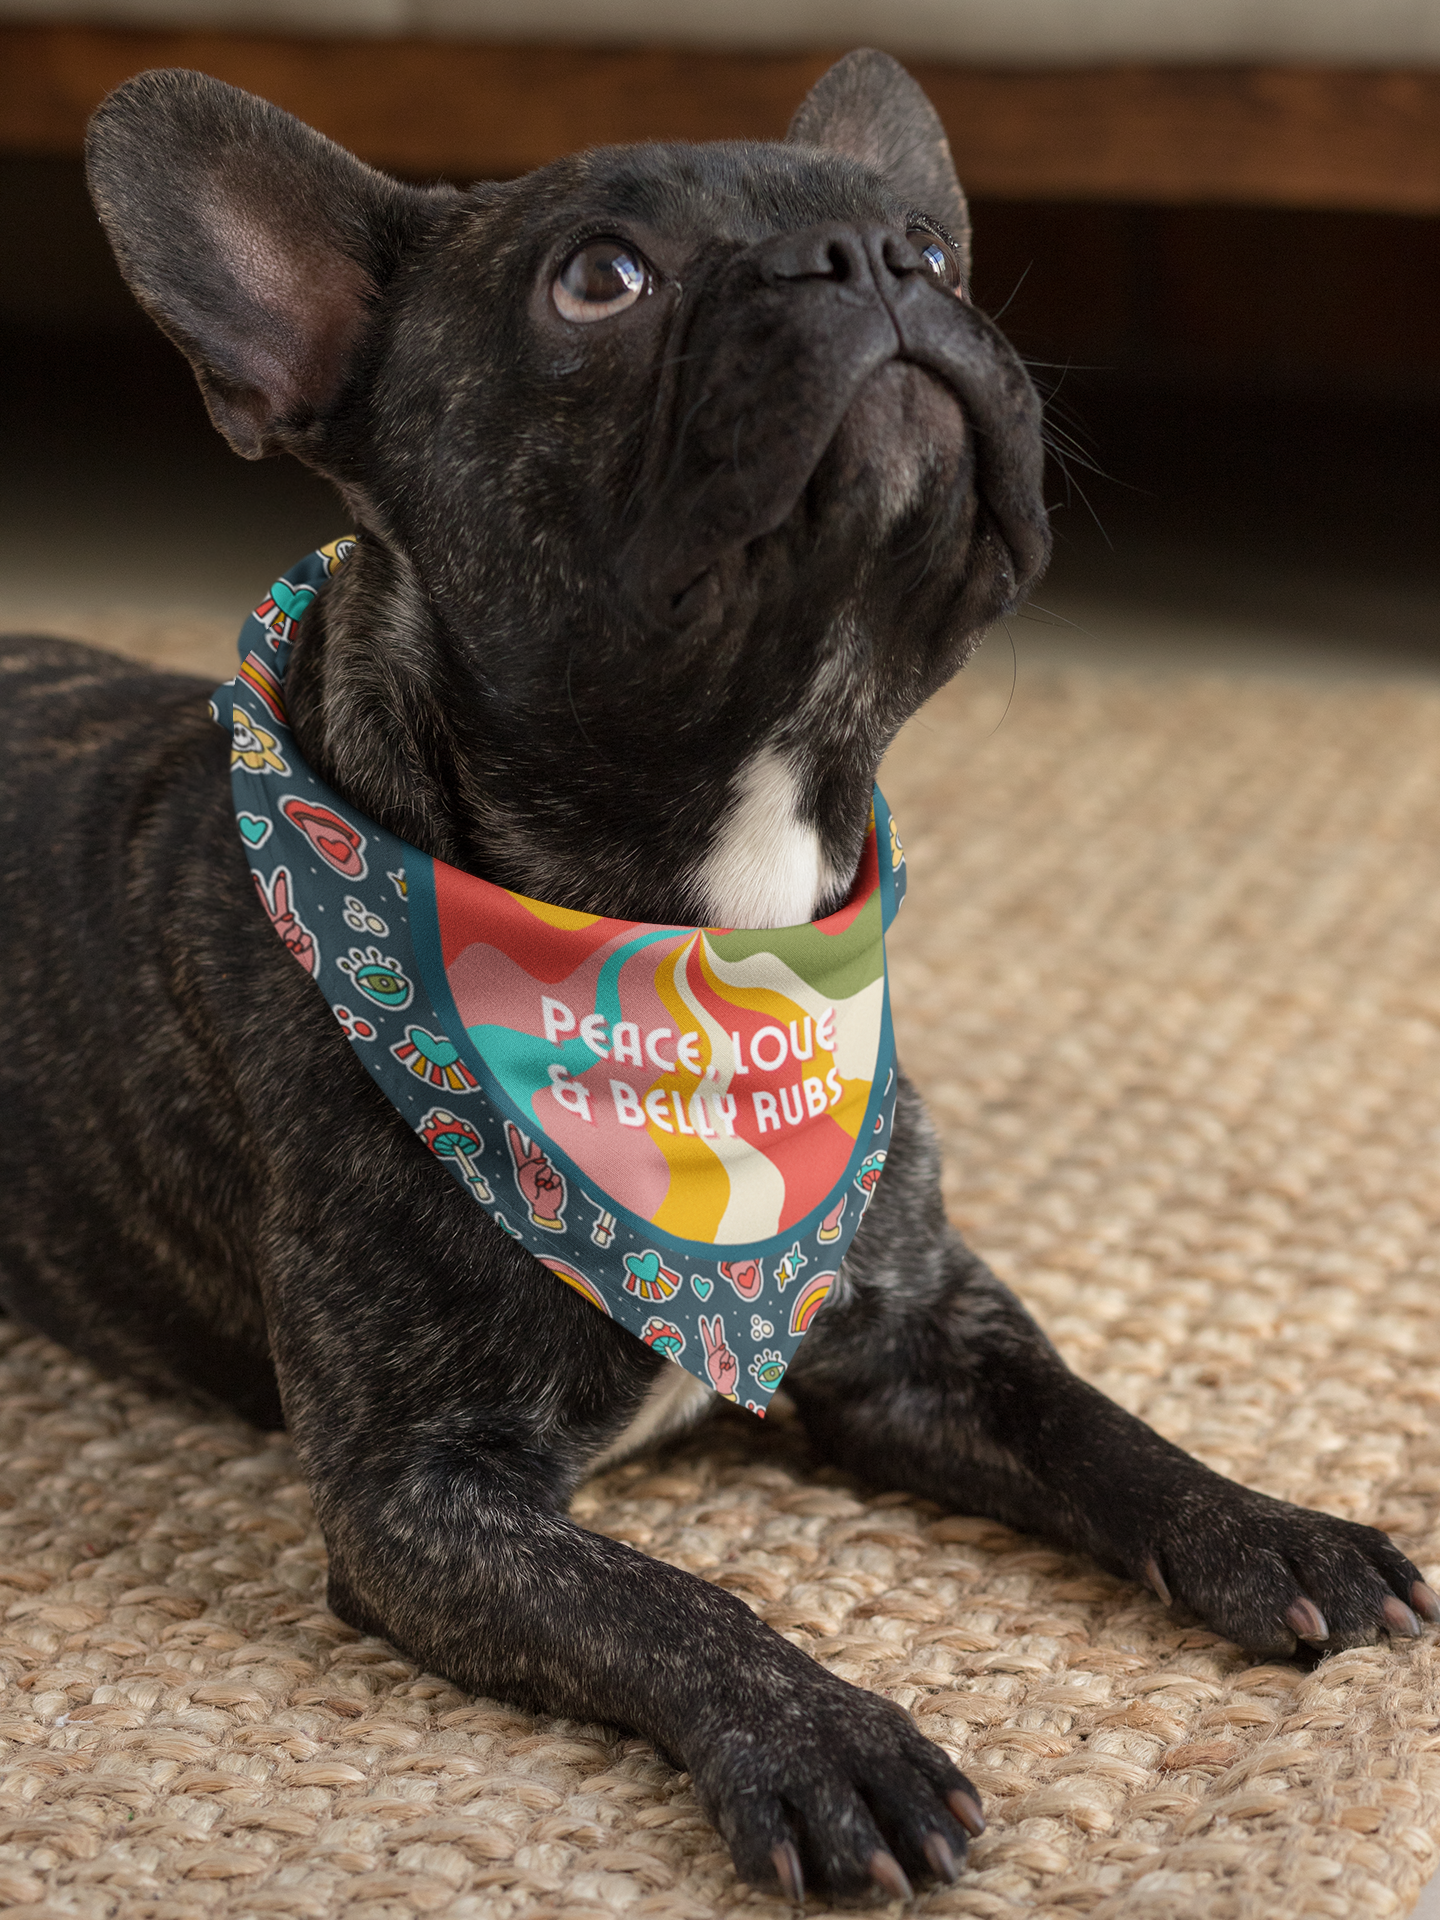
937,256
602,278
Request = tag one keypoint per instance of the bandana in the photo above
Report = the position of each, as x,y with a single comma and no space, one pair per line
684,1124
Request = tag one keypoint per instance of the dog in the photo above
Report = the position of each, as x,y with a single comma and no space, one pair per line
680,476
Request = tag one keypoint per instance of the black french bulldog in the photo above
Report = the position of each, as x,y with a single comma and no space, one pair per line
682,476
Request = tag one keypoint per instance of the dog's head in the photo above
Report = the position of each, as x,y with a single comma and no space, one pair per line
683,473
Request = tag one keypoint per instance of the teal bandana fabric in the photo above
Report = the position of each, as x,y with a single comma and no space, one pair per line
683,1124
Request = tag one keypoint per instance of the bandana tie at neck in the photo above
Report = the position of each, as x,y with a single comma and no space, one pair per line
684,1124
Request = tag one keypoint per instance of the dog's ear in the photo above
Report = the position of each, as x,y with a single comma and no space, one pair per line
256,244
868,108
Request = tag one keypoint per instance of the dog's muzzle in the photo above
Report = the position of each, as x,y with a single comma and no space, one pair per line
774,354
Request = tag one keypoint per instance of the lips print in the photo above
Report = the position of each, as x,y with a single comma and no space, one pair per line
746,1276
338,844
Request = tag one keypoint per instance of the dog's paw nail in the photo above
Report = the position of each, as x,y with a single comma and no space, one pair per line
1157,1580
1306,1621
888,1874
942,1861
1398,1618
788,1871
966,1809
1425,1601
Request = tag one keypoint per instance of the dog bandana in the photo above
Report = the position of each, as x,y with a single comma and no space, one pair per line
684,1124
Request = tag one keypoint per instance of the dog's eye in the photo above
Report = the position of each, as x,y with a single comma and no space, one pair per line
600,278
936,255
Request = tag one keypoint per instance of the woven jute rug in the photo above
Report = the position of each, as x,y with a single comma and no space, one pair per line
1169,973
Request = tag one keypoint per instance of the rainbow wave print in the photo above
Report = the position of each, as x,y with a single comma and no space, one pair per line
712,1082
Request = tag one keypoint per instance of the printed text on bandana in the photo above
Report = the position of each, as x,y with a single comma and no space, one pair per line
714,1082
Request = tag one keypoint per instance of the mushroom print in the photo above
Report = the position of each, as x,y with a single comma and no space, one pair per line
454,1139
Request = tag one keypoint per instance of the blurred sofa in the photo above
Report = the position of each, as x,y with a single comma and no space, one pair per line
1319,103
1079,32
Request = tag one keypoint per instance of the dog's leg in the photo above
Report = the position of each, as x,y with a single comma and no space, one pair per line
926,1373
444,1406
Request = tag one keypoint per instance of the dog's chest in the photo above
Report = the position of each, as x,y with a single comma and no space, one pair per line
766,866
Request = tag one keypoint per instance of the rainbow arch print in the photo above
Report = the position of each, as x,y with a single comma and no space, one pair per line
809,1304
573,1278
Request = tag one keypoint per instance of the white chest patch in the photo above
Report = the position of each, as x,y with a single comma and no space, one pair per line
765,868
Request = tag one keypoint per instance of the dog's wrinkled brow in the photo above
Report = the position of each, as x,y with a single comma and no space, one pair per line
739,195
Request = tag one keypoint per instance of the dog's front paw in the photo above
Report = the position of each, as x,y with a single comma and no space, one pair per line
1268,1575
837,1793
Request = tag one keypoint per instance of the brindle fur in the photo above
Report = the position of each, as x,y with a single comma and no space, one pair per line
600,568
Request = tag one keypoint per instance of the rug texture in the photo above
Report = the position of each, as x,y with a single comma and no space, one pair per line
1169,973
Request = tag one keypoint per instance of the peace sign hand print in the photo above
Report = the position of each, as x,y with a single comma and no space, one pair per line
297,936
720,1363
541,1186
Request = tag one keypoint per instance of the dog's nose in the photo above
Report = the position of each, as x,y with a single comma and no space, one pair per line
874,256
